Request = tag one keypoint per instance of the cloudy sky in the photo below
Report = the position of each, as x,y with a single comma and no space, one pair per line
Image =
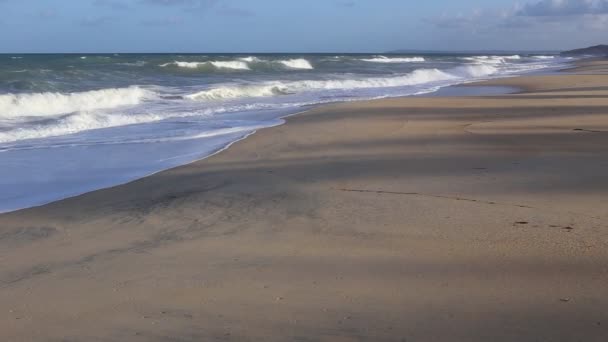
299,25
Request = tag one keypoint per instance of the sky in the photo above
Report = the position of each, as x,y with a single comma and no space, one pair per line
299,25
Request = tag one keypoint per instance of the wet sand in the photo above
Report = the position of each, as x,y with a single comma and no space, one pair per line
410,219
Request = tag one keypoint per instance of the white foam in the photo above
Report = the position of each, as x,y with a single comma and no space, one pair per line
14,106
137,64
274,88
493,60
384,59
543,57
298,63
250,59
223,93
77,122
189,65
475,71
244,63
235,65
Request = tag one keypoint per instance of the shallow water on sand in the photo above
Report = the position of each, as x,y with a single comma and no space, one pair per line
75,123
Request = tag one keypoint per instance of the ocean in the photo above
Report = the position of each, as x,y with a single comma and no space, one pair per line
74,123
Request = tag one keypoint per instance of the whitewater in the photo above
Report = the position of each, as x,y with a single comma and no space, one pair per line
76,123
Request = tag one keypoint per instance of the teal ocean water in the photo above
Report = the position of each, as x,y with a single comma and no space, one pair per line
75,123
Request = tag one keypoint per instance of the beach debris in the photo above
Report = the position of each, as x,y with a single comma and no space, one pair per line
586,130
522,222
564,300
568,228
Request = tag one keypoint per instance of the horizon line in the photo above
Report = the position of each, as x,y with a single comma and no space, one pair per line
283,52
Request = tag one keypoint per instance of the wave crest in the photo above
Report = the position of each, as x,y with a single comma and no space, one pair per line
225,93
384,59
233,65
420,76
74,123
244,63
493,60
297,63
47,104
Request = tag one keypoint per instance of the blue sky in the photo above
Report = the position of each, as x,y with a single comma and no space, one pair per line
298,25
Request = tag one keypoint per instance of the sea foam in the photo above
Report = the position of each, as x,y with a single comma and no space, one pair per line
494,60
275,88
299,63
244,63
384,59
74,123
13,106
234,65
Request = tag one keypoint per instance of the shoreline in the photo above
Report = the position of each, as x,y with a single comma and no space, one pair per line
482,88
426,219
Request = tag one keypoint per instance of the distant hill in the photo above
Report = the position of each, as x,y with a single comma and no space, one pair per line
598,50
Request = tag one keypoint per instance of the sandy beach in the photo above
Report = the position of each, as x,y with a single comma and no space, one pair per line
405,219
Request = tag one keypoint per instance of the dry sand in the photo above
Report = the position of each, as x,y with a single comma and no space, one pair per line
412,219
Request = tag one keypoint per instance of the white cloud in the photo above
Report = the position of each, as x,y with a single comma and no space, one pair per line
533,25
564,8
571,14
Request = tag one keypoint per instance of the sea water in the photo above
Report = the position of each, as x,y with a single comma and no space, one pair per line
75,123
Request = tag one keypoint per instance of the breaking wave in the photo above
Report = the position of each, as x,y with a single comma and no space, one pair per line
384,59
223,93
244,63
495,60
275,88
234,65
74,123
13,106
250,59
298,63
